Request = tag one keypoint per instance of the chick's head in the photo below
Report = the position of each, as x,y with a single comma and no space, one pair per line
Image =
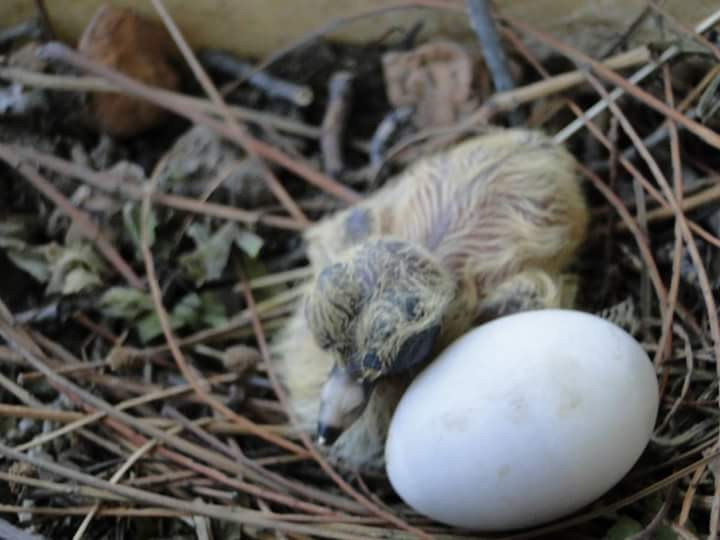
378,312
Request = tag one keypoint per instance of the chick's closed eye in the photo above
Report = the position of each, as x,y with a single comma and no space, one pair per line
413,308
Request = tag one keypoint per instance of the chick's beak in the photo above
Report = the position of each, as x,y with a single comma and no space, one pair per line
327,435
343,401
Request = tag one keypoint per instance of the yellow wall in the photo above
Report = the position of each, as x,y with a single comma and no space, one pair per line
255,27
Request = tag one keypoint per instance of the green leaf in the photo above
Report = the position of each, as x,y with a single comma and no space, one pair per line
125,303
148,327
208,260
80,262
132,216
623,528
80,279
213,310
665,532
31,260
249,242
14,232
136,307
186,311
199,232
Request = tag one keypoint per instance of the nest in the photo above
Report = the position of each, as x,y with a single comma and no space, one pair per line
144,277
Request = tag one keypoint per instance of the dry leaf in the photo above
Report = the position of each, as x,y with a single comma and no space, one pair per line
240,358
436,78
200,157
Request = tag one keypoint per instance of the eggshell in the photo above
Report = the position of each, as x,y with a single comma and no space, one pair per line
522,420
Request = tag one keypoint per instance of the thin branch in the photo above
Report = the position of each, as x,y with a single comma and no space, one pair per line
708,296
97,84
635,78
692,34
113,183
627,85
234,515
483,23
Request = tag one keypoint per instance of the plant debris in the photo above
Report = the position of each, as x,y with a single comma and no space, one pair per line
150,256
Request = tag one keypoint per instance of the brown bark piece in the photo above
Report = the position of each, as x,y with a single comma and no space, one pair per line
142,49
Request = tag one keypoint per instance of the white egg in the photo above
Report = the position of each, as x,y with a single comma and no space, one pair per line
522,420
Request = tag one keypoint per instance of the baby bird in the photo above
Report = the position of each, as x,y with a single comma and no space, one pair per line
479,231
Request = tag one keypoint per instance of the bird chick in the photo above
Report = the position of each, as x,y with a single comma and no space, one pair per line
479,231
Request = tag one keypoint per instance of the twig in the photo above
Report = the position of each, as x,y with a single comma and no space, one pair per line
682,532
88,228
482,22
711,306
21,343
129,462
648,533
163,478
333,125
24,378
44,413
214,474
57,487
227,63
235,515
638,76
97,84
627,85
695,35
632,27
82,420
26,28
44,18
690,495
505,101
240,321
635,173
650,141
690,364
666,336
707,196
278,278
632,225
9,531
387,127
173,413
149,512
641,211
112,183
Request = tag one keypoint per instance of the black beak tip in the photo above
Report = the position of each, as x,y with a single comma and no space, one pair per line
327,435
